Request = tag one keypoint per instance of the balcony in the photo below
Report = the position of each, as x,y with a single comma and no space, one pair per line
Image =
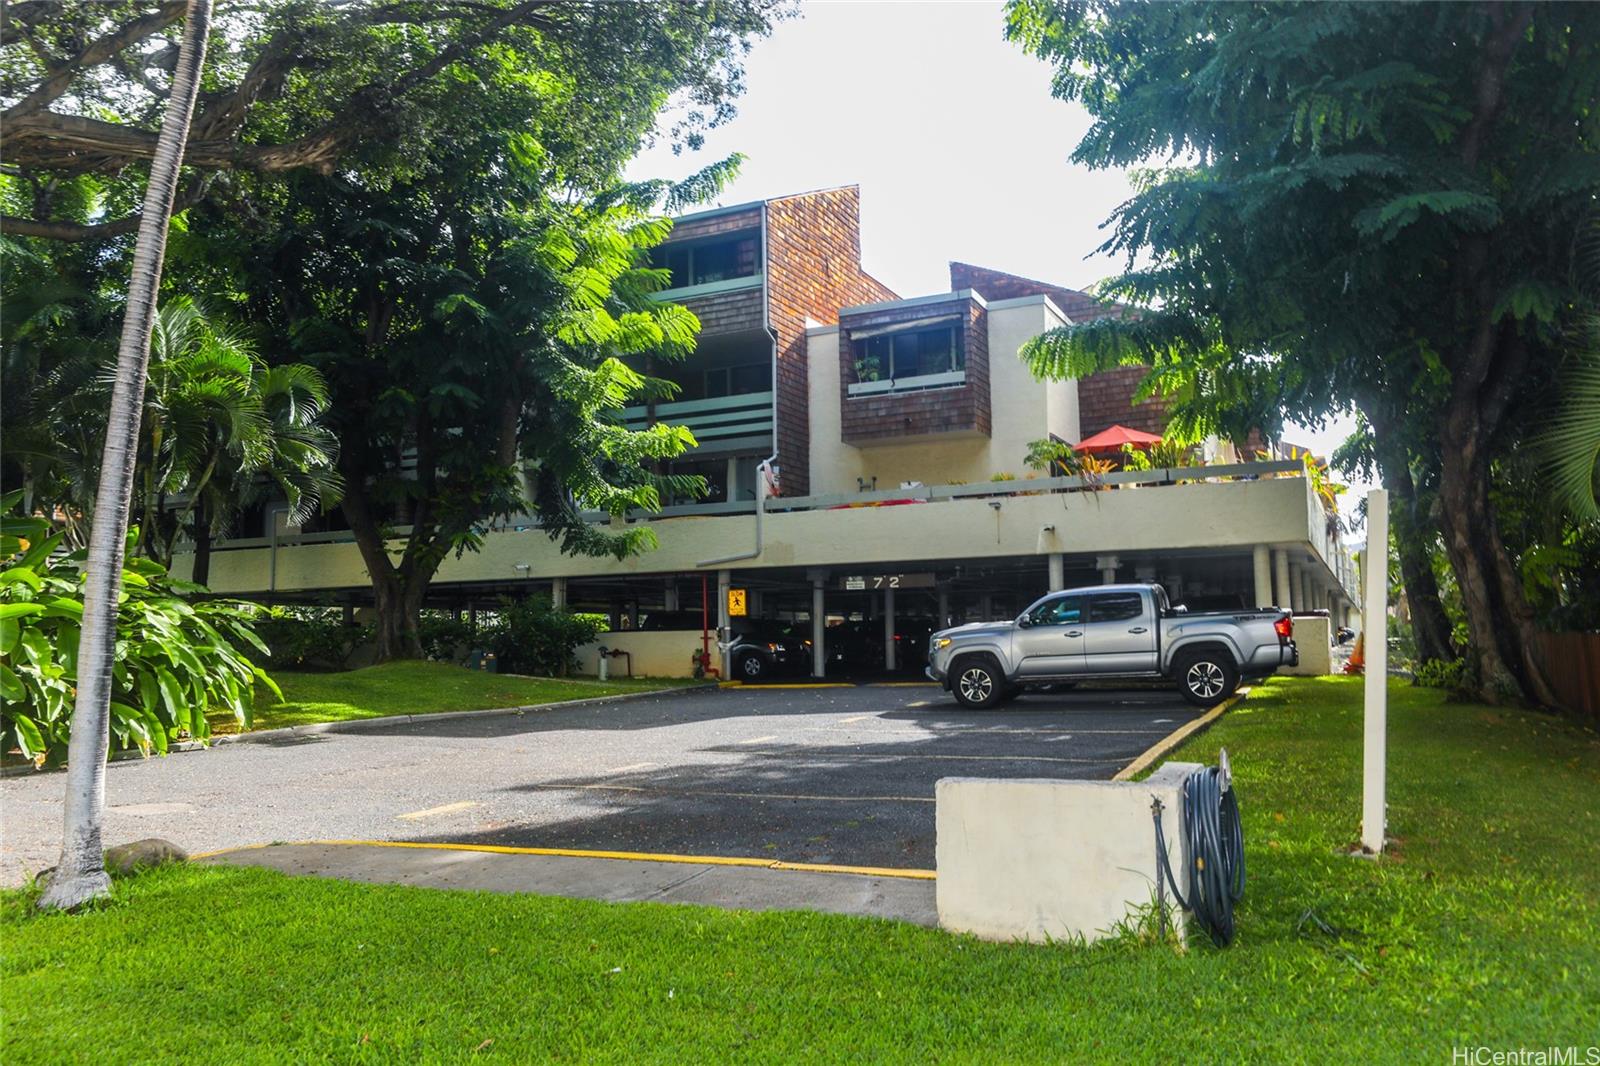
721,424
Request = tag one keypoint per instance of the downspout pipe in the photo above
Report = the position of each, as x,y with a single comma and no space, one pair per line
766,464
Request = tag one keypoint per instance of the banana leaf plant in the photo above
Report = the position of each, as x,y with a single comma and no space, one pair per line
178,660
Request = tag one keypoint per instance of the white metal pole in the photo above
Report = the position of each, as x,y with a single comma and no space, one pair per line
888,629
819,627
1375,623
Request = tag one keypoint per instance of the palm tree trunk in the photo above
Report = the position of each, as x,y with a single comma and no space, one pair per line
80,874
200,530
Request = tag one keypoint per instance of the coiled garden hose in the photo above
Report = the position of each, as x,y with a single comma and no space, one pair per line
1215,845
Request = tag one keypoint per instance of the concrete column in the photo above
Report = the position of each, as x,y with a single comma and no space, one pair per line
724,582
558,591
1058,572
1280,572
819,626
670,595
1107,565
888,629
1302,586
1263,568
944,607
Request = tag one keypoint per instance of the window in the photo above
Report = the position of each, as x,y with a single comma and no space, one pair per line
1115,607
738,380
703,262
715,471
913,354
1068,610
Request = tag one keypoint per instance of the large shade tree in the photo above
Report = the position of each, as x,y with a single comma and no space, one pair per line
472,332
1360,205
423,178
307,84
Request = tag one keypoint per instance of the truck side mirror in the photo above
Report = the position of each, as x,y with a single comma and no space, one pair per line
1024,622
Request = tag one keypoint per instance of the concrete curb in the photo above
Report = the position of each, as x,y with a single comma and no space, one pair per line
1165,746
359,725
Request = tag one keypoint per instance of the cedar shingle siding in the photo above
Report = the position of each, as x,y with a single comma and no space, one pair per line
1104,399
813,269
890,416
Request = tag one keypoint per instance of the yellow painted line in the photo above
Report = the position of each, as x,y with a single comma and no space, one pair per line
900,684
623,856
856,718
801,684
732,795
824,753
1161,748
228,851
445,808
870,871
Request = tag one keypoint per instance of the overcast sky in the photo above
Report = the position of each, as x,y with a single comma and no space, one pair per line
960,151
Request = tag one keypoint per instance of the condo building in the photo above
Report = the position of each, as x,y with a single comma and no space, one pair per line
866,459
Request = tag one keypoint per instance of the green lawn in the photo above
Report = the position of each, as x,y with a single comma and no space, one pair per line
1481,929
415,688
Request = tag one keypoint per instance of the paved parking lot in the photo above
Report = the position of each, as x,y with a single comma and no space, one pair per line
832,775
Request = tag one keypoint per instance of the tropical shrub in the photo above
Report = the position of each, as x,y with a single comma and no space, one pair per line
1055,458
442,633
176,661
536,637
303,637
1448,674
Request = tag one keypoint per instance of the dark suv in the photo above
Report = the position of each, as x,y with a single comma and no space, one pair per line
763,649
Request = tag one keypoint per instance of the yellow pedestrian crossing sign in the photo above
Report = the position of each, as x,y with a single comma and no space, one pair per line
736,603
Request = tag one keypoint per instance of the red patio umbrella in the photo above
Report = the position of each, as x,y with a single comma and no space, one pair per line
1115,439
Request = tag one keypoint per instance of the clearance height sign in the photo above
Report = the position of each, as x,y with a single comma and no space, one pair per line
873,582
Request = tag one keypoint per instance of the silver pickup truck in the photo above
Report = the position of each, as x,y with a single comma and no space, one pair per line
1111,631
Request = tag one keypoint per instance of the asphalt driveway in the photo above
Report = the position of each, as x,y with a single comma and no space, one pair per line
829,775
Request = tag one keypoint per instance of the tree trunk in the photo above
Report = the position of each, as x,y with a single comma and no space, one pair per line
397,603
1429,622
1413,535
397,591
80,873
200,530
1498,616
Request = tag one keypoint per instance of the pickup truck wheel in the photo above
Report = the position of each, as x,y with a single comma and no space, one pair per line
1207,678
751,668
976,682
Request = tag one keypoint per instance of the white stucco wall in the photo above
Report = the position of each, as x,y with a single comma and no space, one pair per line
1038,860
656,653
1220,515
1313,639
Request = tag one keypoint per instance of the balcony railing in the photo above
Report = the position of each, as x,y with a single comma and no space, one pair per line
726,423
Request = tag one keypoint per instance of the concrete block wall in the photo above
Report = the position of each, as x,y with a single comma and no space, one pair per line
1313,637
1051,859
